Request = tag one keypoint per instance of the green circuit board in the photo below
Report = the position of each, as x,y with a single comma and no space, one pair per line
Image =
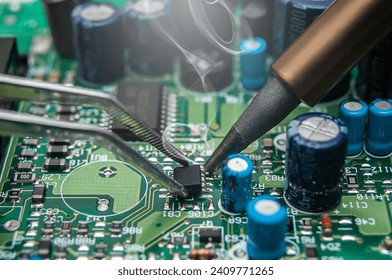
97,192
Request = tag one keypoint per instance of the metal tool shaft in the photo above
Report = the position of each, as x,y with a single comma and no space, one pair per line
18,124
16,88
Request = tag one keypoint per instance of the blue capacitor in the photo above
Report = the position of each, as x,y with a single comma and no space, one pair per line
150,50
267,227
236,183
253,60
379,132
315,156
36,258
98,33
354,115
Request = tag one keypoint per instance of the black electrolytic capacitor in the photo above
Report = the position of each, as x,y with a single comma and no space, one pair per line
206,71
257,20
150,52
58,13
315,155
292,18
98,33
375,72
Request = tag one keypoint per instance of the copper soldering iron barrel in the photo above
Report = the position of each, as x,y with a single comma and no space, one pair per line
332,45
328,49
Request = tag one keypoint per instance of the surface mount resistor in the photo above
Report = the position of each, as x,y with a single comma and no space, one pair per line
326,226
202,254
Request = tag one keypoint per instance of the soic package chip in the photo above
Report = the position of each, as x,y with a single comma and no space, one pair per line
190,177
143,100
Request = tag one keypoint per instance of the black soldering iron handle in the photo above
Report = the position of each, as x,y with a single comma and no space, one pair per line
328,49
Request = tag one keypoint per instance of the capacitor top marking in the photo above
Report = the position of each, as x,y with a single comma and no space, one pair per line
238,164
146,8
252,45
353,106
318,129
97,13
267,227
267,207
383,105
149,7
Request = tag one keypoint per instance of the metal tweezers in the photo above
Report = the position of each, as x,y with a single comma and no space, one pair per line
21,124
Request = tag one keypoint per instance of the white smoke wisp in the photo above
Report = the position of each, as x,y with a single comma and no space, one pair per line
199,135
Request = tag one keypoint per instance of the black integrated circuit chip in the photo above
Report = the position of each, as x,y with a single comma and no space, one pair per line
210,235
190,177
143,100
